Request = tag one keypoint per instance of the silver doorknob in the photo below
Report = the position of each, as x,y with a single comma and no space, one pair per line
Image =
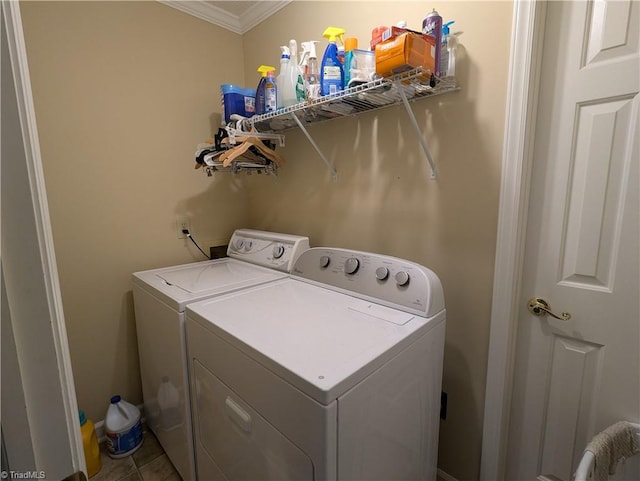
539,307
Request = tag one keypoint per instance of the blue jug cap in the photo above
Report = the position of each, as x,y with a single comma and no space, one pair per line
115,399
83,417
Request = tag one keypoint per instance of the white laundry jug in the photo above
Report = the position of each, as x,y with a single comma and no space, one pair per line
123,428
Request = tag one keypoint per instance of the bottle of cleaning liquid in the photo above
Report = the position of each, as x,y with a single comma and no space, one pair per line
444,51
452,44
312,72
286,93
296,73
270,92
123,428
350,44
331,70
261,90
90,444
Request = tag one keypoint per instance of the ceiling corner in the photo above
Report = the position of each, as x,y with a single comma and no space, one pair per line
215,13
260,12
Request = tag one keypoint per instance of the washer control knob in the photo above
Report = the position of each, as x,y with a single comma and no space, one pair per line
278,251
325,261
248,245
402,278
382,273
351,265
239,244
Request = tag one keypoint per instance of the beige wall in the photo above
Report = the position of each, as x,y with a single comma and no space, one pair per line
384,200
125,91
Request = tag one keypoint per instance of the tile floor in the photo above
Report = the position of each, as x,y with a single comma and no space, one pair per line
148,463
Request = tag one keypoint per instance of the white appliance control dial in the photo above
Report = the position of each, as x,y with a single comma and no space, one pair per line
382,273
267,249
278,251
351,265
402,278
386,280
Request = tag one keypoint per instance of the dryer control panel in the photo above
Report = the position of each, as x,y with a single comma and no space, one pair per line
384,279
268,249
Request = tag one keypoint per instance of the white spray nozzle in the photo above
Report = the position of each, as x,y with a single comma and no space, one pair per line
310,47
285,52
293,48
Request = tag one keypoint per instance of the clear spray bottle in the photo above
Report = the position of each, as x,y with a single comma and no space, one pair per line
311,71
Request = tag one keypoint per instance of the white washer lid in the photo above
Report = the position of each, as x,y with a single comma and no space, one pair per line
321,341
186,283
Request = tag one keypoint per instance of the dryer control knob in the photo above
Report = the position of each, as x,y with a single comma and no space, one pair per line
325,261
278,251
351,265
402,278
239,244
248,245
382,273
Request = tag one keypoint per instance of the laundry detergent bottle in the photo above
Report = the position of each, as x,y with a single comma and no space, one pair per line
90,444
332,69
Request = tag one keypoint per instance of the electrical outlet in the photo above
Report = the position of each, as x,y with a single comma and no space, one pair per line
182,224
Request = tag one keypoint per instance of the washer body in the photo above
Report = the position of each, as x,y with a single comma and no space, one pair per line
332,373
160,298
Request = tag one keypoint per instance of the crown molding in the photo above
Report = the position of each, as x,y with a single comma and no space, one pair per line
236,23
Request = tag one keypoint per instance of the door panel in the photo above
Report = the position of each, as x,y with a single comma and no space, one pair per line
574,378
604,130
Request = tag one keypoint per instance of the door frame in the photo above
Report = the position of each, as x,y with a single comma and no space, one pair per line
517,155
44,403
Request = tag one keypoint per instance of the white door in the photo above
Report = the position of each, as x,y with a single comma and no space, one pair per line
573,378
40,424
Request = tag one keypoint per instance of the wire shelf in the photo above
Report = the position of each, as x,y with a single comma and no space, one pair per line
377,94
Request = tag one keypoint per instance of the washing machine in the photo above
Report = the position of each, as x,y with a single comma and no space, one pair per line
160,297
333,373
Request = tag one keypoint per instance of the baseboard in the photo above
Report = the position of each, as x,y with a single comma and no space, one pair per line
99,426
442,476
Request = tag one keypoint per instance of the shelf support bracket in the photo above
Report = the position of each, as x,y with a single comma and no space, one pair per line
416,128
334,173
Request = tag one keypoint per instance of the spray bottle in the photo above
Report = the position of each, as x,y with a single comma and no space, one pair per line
332,69
303,68
311,72
296,73
286,89
444,51
452,44
266,97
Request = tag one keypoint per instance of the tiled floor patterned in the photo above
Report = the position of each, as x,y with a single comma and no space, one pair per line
148,463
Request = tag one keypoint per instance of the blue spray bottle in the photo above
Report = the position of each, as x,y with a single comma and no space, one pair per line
332,69
266,96
444,51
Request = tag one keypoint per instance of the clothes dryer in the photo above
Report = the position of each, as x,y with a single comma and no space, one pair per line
332,373
160,298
